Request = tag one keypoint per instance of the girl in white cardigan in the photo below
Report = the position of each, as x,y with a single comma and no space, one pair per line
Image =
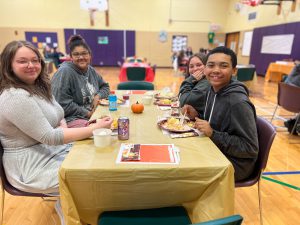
33,131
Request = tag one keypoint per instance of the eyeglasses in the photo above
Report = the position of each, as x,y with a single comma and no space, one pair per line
78,54
25,62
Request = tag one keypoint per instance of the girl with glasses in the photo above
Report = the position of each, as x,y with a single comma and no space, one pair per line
33,131
77,86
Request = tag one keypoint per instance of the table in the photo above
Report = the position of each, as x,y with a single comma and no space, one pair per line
278,70
91,182
65,59
149,71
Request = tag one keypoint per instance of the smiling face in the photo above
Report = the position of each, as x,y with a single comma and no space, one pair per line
81,57
195,64
219,70
26,65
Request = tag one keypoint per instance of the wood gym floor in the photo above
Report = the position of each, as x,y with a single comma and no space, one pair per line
280,193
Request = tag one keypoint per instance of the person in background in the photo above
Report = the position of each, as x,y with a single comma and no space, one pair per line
33,131
189,52
55,55
47,52
202,51
293,79
181,59
193,89
229,116
76,85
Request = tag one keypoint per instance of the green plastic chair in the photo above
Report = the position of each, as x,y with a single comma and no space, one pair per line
230,220
136,73
245,74
160,216
135,85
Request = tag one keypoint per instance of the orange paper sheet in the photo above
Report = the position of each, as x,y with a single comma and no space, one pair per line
164,153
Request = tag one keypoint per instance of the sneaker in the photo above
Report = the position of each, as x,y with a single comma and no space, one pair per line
289,124
59,212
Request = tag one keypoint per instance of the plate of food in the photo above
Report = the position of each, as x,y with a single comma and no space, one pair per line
167,95
173,124
105,102
175,104
163,102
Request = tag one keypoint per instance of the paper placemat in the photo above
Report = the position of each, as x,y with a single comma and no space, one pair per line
148,154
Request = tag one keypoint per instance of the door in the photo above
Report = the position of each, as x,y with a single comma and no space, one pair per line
232,41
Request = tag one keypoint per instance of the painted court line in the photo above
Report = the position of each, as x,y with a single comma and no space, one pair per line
282,183
281,173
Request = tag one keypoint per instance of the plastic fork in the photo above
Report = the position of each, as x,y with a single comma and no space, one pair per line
182,118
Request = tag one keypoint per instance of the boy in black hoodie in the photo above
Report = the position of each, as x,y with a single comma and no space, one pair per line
229,116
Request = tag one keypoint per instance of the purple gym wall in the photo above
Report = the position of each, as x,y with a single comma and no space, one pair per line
262,61
110,54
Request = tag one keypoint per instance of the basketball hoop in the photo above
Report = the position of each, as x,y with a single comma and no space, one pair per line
93,6
252,3
92,15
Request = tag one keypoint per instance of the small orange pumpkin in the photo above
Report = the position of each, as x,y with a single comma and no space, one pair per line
137,107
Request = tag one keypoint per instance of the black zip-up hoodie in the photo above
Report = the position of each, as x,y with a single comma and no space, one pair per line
233,119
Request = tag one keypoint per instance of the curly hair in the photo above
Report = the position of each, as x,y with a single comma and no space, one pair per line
8,78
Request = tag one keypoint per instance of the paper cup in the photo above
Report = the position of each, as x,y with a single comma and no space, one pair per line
147,100
126,97
102,137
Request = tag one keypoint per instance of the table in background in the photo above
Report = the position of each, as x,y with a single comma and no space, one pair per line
278,70
91,182
65,59
149,71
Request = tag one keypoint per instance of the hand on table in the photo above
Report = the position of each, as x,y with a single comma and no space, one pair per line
104,122
204,127
95,102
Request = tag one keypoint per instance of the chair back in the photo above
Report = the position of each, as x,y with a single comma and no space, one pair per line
288,97
266,134
135,85
245,74
136,73
230,220
7,186
154,68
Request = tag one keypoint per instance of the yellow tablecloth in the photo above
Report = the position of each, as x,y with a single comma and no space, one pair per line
276,71
91,182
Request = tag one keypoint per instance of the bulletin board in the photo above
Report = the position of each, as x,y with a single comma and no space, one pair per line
179,42
41,39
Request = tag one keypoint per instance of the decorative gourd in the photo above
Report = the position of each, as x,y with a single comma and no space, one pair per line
137,107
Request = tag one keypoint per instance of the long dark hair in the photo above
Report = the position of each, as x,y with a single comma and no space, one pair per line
8,78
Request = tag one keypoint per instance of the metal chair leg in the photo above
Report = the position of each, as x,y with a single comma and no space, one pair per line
295,125
2,203
274,113
260,203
